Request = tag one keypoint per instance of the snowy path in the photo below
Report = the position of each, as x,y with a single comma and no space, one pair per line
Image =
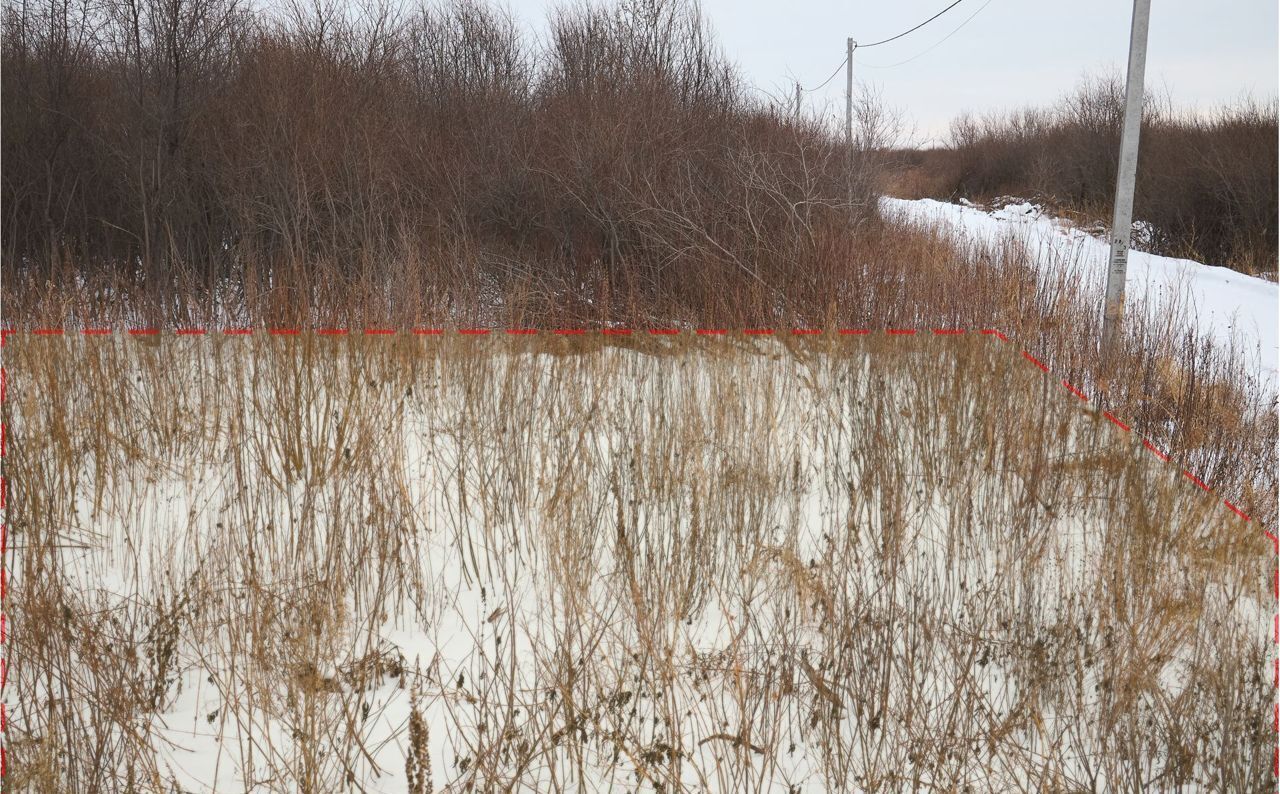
1231,308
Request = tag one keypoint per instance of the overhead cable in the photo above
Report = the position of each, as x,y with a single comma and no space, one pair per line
931,47
912,30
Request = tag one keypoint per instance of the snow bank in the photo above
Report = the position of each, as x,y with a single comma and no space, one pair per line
1238,312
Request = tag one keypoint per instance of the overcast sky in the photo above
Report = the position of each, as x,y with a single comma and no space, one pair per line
1012,53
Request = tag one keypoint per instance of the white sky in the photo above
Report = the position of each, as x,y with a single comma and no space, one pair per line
1013,53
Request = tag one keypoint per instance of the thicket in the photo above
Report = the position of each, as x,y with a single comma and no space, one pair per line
1206,181
406,160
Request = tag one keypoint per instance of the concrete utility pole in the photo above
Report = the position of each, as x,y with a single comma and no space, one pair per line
848,115
1126,175
848,94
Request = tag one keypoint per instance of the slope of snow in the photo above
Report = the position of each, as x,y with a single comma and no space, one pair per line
1238,312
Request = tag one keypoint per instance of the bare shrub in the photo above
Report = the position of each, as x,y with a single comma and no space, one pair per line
1205,180
212,158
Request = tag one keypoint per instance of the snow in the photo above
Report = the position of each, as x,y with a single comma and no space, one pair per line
1238,312
462,629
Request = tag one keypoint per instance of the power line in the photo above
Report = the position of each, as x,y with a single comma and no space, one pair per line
844,63
829,79
931,47
912,30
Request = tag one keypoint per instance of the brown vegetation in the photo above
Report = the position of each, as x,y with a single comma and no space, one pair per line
734,564
202,162
200,156
1206,182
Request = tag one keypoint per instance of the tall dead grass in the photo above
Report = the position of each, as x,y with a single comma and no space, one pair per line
460,563
208,162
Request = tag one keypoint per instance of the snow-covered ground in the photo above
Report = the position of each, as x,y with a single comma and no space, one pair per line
705,569
1235,310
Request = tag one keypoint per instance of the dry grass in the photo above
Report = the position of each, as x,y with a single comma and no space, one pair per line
403,167
878,563
543,563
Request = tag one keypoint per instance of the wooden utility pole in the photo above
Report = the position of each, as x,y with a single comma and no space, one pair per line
1126,177
798,100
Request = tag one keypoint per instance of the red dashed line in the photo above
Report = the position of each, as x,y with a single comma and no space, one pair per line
484,331
1116,421
1075,391
1235,509
1043,367
996,334
1197,481
1155,451
4,559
